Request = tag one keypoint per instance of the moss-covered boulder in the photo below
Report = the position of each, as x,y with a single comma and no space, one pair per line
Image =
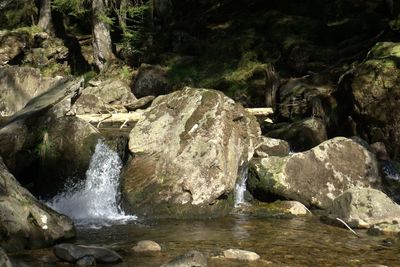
376,92
314,177
24,221
189,149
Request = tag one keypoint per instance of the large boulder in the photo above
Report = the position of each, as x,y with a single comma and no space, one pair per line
317,176
42,147
365,208
19,85
376,91
24,221
189,149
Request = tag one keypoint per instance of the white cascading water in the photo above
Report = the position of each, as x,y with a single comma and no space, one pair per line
240,188
94,202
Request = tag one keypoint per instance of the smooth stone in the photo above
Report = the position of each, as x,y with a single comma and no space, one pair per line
239,254
86,261
190,259
147,246
73,253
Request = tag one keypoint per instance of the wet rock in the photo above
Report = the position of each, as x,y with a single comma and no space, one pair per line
86,261
301,135
151,80
272,147
65,148
26,222
142,103
239,254
19,85
147,246
331,168
190,148
277,209
111,91
73,253
366,208
41,145
376,91
4,260
190,259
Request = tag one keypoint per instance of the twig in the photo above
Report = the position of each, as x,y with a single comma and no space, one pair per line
122,126
348,227
98,124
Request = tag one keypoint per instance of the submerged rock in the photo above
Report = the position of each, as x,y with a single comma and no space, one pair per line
277,209
25,222
239,254
317,176
73,253
190,148
190,259
147,246
366,208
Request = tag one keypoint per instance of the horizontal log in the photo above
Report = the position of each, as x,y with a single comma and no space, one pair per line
135,116
260,111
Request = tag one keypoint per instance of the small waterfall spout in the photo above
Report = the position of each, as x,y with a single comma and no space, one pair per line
94,202
240,188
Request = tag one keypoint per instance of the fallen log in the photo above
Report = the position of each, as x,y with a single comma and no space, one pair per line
125,118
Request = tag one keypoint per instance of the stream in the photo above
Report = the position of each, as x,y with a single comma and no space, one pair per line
302,241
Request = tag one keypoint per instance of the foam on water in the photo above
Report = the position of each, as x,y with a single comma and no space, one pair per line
94,202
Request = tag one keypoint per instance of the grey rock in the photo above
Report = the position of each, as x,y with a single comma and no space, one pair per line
272,147
190,259
111,91
86,261
301,135
147,246
331,168
143,102
239,254
26,222
365,208
190,148
19,85
73,253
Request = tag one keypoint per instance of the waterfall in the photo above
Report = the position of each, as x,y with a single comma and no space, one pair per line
240,188
94,202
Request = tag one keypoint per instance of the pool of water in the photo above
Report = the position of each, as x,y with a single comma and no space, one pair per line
279,242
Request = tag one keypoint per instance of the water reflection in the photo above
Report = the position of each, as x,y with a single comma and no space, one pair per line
284,242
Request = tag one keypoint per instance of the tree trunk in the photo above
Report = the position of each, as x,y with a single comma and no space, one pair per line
45,20
102,46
